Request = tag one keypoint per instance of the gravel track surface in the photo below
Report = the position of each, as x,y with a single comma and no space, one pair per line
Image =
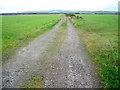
69,67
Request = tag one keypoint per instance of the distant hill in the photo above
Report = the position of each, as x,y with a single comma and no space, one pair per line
62,11
69,11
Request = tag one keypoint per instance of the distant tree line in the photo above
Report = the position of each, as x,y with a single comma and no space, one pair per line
74,16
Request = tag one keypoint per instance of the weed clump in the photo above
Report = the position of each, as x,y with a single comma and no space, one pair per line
36,82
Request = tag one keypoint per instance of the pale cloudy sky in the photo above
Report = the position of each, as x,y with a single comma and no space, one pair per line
25,5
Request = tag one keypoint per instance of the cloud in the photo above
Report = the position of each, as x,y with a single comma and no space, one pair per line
24,5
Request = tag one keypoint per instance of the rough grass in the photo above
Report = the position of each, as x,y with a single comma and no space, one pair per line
100,35
18,30
60,37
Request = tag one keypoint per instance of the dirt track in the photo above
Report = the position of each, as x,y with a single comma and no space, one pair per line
69,66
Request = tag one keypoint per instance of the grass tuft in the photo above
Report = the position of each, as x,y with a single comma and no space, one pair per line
35,82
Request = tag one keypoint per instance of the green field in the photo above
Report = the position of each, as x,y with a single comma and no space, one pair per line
18,30
100,35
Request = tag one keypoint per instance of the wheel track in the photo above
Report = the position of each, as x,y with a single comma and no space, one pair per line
72,67
27,60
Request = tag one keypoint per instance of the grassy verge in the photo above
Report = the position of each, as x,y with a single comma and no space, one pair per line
36,81
18,30
100,35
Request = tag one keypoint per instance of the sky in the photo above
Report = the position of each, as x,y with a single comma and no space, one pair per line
35,5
